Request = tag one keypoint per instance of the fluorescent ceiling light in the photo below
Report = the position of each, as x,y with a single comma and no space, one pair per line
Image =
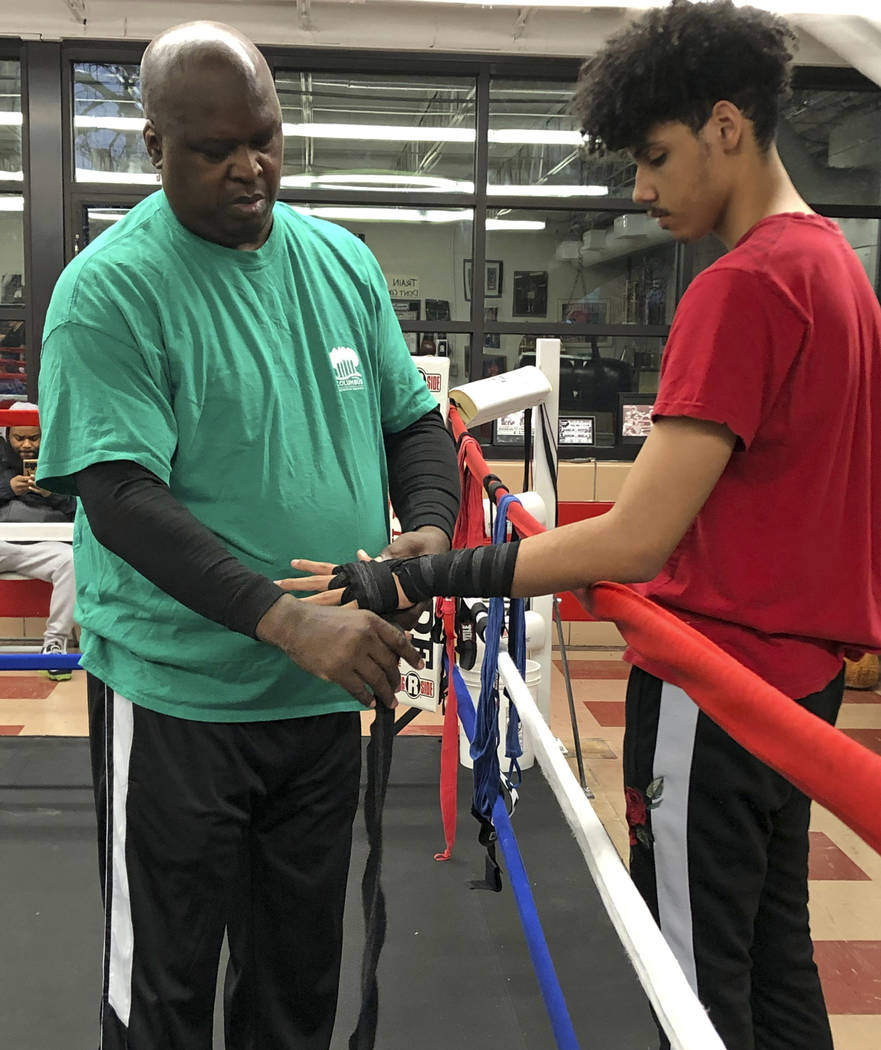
10,203
378,132
506,225
368,132
378,181
408,133
106,215
433,183
111,123
416,215
10,119
547,191
331,211
11,176
126,178
537,136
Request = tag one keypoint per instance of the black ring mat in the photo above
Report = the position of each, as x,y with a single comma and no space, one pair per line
455,972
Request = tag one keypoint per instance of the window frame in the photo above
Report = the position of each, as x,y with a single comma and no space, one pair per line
11,51
351,62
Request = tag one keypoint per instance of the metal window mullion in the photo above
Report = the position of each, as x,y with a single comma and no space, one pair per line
478,232
44,187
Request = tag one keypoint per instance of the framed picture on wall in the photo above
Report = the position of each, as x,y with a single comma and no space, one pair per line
11,288
492,284
577,430
437,309
408,310
530,293
634,417
584,311
493,365
509,429
492,340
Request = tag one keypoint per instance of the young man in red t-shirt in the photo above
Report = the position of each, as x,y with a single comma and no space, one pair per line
753,509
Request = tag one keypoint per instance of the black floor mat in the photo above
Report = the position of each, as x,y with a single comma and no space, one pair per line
455,972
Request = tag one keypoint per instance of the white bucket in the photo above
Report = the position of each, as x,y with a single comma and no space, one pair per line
472,681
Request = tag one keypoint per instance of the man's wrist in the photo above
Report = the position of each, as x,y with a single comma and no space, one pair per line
279,619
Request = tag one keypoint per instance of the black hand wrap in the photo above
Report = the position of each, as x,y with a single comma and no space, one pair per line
476,572
369,583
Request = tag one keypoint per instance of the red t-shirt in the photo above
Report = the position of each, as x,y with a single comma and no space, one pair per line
780,339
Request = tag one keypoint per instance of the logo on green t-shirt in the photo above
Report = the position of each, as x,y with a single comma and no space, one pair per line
345,365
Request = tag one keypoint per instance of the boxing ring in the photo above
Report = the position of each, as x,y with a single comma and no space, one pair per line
438,926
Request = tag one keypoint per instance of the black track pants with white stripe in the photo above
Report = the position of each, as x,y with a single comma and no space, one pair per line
726,872
206,828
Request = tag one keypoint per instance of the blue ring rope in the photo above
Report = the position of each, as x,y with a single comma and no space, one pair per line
39,661
485,738
543,964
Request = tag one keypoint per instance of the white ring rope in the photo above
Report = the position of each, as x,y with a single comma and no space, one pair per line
678,1009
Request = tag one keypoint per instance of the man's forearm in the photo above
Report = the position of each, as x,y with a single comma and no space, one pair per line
424,475
134,515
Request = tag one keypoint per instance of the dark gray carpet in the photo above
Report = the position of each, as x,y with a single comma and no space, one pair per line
455,972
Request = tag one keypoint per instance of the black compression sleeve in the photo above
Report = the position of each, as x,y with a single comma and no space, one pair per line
134,515
473,572
423,474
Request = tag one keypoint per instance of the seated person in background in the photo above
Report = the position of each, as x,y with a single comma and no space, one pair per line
21,500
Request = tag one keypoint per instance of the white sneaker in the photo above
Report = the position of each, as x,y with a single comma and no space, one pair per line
57,674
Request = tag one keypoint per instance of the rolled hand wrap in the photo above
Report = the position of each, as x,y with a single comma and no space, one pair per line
369,583
477,572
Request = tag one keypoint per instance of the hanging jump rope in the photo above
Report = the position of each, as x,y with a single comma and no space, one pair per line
489,806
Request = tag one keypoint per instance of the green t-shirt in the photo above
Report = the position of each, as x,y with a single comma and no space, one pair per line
257,385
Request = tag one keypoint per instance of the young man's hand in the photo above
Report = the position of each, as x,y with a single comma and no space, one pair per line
20,484
427,540
388,598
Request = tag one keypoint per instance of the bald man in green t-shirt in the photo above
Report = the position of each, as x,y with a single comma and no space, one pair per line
222,380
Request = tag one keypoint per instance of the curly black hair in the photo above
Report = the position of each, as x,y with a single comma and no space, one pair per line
675,63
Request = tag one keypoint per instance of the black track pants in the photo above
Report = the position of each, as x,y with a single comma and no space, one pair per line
205,828
726,874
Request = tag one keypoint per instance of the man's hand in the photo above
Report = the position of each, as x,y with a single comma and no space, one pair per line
351,647
20,484
427,540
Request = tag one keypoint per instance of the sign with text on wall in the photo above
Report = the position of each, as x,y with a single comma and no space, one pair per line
571,430
577,430
422,688
403,286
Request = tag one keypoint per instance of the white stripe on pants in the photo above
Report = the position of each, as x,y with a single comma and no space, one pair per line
677,723
122,940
